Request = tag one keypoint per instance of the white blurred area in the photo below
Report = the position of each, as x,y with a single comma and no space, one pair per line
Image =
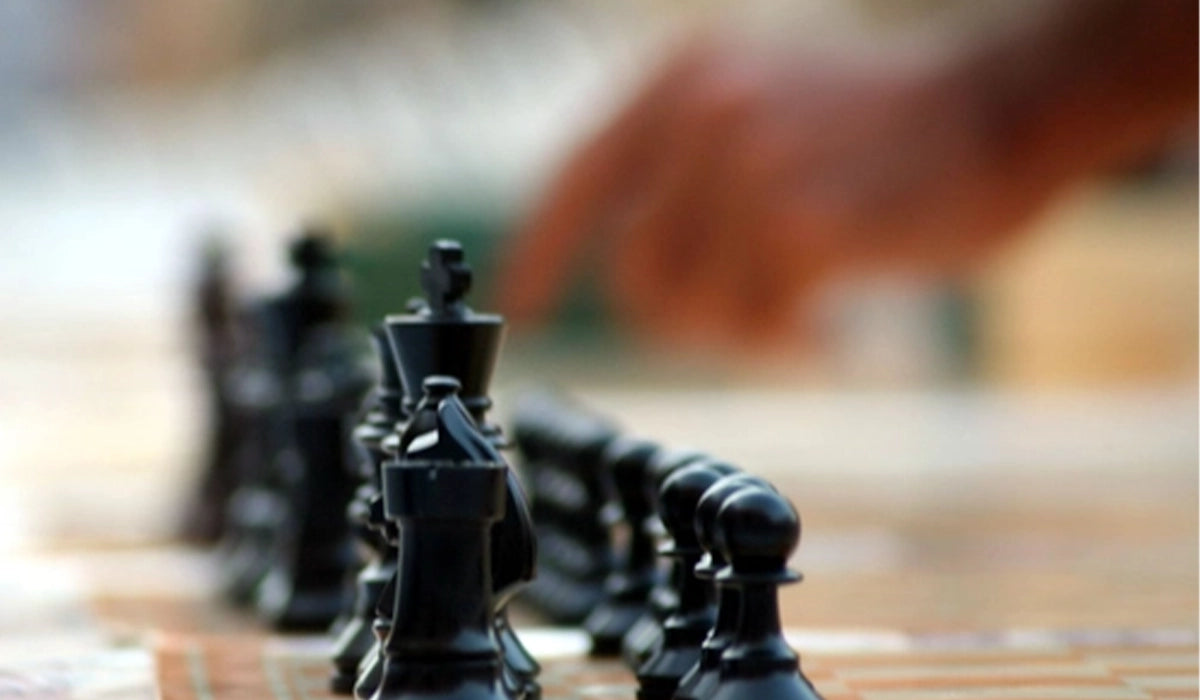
127,126
122,145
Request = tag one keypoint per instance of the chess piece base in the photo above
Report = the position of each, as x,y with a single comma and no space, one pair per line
781,685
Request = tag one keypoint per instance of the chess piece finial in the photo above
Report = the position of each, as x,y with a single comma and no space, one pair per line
756,531
320,294
445,278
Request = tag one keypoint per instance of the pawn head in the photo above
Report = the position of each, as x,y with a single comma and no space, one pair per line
678,499
757,530
627,459
706,516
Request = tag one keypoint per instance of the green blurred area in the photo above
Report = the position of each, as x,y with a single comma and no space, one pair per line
387,248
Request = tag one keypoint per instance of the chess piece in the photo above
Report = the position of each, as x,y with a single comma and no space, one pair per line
441,335
574,550
445,494
355,639
686,627
644,637
635,572
204,517
757,530
701,680
305,587
370,668
299,370
256,508
422,420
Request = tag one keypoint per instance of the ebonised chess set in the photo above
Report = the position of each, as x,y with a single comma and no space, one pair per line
373,497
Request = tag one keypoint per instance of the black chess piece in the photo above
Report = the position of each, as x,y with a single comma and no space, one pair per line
217,338
297,379
635,572
256,507
701,680
441,335
686,627
644,637
422,420
305,587
445,493
325,380
757,530
370,666
356,638
563,446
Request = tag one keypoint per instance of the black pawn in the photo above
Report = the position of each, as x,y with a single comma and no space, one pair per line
684,630
757,530
635,570
645,636
445,494
701,680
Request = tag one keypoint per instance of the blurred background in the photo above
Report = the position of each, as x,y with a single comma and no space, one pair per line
133,130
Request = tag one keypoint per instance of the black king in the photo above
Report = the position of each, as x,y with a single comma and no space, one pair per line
439,337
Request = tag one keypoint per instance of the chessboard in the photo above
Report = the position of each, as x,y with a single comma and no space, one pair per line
197,668
170,637
202,651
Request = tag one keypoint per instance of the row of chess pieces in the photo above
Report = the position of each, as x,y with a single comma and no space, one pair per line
376,502
669,558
